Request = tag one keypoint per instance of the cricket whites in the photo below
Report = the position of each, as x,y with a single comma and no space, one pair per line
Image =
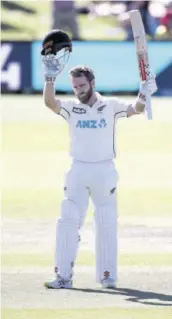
142,52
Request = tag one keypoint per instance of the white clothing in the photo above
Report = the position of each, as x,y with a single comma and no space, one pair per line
92,147
92,129
99,181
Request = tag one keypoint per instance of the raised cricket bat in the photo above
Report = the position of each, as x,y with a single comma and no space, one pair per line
141,52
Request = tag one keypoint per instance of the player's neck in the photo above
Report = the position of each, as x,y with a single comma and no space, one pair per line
92,100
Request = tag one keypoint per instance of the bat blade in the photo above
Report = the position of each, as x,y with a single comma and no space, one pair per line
140,43
137,23
141,51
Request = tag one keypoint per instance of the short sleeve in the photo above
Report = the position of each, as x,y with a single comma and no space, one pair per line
66,109
120,108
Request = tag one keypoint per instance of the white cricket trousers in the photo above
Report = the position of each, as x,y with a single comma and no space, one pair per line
99,181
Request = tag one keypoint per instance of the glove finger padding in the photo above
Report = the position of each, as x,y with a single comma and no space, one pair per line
151,84
51,65
148,85
50,61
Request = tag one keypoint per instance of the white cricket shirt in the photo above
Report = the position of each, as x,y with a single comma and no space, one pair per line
92,129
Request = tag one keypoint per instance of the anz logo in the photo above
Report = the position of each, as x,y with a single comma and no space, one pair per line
91,124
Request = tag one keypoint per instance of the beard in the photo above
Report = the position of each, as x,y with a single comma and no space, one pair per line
84,98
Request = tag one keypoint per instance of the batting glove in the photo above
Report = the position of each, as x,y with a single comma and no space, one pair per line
51,67
149,86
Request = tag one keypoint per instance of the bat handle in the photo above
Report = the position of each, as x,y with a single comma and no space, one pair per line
148,105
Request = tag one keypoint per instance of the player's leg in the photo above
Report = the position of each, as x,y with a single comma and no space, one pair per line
103,194
73,211
67,232
106,243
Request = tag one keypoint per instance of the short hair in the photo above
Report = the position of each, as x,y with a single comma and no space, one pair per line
78,71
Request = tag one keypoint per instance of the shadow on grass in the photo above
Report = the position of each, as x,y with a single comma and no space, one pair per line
133,295
9,27
16,6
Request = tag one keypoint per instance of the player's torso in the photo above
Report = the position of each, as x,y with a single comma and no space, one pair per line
91,132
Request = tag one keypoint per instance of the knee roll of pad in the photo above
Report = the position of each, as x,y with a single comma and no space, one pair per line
69,212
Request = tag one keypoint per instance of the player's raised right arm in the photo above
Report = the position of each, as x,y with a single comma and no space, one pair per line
51,69
56,48
49,97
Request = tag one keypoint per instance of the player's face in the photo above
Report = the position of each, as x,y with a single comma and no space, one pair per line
82,88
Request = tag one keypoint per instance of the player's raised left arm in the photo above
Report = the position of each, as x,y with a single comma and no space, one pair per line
140,103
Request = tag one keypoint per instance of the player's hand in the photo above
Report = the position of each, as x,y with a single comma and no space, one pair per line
51,66
148,85
151,84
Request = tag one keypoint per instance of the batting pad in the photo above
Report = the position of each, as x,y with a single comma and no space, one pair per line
106,242
67,238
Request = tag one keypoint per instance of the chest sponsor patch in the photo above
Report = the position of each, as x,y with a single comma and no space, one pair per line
78,110
91,124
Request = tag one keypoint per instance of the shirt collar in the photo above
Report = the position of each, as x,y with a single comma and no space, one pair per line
100,100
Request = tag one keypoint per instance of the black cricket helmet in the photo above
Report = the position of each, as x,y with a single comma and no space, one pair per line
55,41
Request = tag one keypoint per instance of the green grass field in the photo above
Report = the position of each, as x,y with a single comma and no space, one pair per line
85,258
35,146
34,160
108,313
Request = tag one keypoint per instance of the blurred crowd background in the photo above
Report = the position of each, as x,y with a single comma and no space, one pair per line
84,20
102,39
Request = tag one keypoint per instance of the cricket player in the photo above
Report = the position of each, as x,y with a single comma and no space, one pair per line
91,119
